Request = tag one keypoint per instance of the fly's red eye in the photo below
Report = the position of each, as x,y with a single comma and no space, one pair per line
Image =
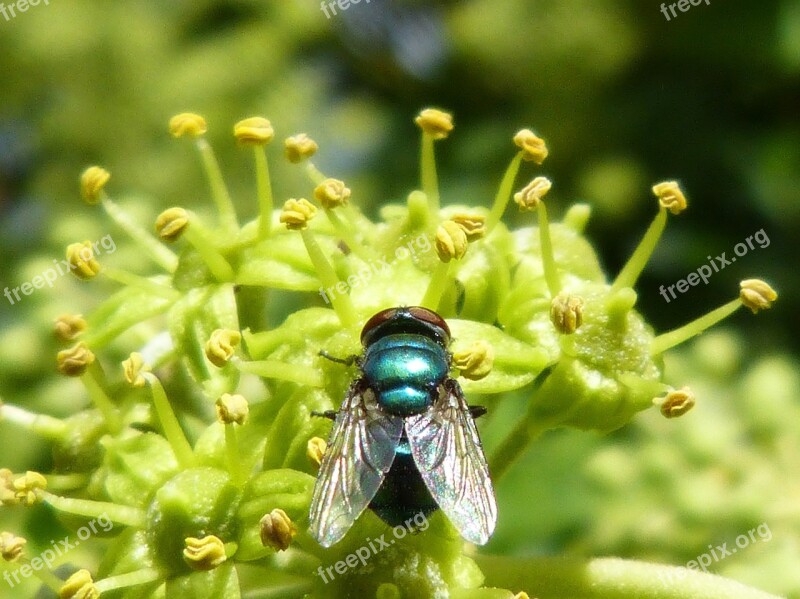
430,317
378,319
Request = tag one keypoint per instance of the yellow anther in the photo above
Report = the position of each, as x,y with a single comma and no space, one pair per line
204,554
277,530
676,403
28,487
533,147
299,147
436,123
297,213
528,197
221,346
670,196
93,180
474,225
315,449
254,131
521,595
8,494
331,193
232,409
11,546
69,326
133,368
187,123
756,294
79,586
171,223
75,360
566,313
476,361
80,257
451,241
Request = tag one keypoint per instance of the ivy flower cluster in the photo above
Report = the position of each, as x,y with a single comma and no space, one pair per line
208,477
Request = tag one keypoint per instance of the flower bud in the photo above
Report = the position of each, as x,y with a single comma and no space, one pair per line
451,241
75,360
232,409
27,487
11,546
221,346
436,123
255,131
528,197
8,494
299,147
171,224
756,295
82,264
533,147
204,554
297,213
79,586
476,361
474,225
93,180
315,449
133,368
670,196
187,123
676,403
332,193
277,530
69,326
566,313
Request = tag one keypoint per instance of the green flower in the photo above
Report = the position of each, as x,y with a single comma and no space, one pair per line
205,461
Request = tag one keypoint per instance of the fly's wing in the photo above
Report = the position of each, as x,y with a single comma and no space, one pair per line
361,450
447,451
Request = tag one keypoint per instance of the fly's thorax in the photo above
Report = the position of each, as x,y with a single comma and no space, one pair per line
404,371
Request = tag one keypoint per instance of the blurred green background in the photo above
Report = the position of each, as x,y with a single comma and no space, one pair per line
624,99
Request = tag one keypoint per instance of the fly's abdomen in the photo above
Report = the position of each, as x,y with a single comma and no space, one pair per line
403,493
403,370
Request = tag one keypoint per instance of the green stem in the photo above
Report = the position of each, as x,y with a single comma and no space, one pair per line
232,451
143,576
436,286
53,582
121,514
274,369
427,168
503,193
66,482
314,173
100,399
608,578
201,241
45,426
131,280
636,263
548,259
169,422
151,246
668,340
341,301
512,447
219,192
346,233
265,200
